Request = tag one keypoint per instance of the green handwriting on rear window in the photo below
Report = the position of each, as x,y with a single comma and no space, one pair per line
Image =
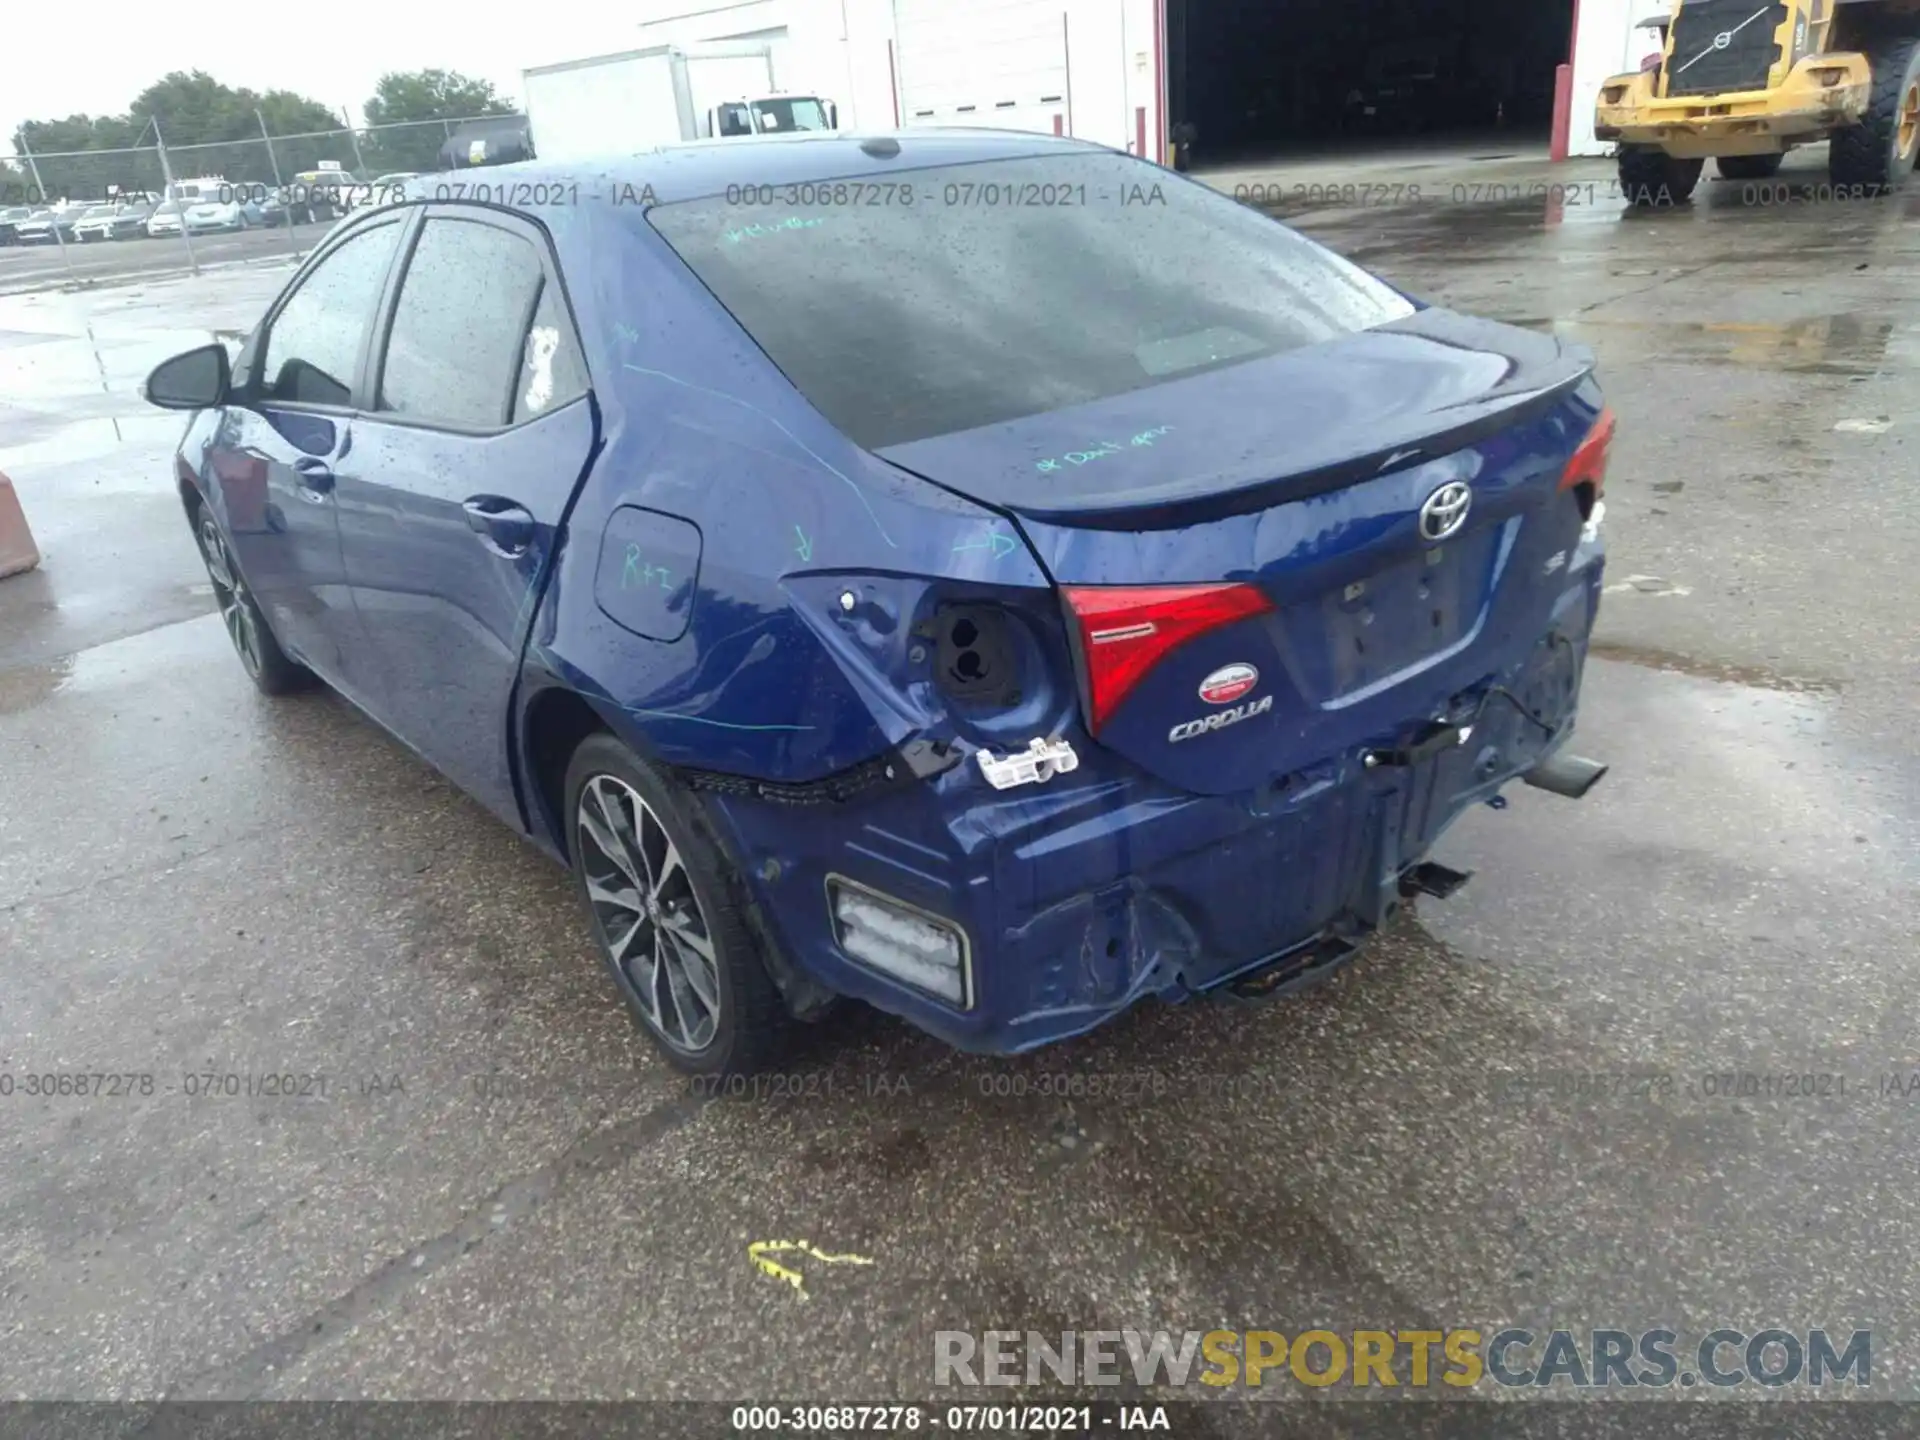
1101,451
740,234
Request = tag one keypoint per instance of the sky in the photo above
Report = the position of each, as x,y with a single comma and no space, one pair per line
114,49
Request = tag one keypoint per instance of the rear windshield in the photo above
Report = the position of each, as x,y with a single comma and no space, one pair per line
948,298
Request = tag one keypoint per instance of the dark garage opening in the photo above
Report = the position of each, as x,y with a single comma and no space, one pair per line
1262,78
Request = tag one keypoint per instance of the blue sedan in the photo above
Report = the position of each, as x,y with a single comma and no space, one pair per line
981,574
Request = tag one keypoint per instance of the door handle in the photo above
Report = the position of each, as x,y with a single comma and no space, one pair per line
506,526
315,474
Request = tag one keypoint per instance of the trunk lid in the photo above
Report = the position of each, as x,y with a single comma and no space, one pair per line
1304,476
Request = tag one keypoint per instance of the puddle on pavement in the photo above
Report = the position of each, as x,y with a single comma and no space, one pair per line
131,662
32,685
1850,345
1648,657
1586,211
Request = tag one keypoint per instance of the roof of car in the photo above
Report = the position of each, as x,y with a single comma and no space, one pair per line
708,167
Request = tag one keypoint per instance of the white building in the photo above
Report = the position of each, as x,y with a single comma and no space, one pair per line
1100,69
1613,37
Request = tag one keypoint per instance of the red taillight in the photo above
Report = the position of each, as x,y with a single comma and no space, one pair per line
1589,463
1124,632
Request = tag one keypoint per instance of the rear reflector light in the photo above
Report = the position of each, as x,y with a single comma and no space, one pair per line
914,947
1122,633
1589,463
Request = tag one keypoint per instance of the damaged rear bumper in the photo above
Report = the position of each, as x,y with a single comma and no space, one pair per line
1083,896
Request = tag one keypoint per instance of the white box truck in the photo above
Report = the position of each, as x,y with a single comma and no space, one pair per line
638,99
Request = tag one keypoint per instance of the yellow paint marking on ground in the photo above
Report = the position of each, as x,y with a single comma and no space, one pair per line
760,1250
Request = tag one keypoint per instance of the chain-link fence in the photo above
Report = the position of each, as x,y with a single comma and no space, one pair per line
176,193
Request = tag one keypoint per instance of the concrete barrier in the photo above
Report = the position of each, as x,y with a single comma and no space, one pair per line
18,553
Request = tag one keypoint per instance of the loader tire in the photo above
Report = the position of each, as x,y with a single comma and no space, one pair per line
1651,177
1749,167
1878,154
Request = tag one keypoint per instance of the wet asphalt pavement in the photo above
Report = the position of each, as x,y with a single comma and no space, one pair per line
495,1191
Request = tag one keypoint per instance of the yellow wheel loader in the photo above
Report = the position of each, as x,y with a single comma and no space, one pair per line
1742,82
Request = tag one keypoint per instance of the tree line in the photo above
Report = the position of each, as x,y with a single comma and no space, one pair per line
214,129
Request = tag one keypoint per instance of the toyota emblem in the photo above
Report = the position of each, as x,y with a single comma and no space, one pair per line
1445,511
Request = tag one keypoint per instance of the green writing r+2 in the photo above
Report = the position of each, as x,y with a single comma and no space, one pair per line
1101,451
639,572
738,233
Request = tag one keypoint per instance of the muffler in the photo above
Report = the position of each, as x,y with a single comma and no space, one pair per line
1567,775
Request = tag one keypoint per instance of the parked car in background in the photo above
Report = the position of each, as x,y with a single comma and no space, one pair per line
39,228
93,223
263,205
10,220
201,187
165,219
320,196
799,631
207,216
115,222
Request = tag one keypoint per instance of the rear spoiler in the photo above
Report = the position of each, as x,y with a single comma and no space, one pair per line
1533,386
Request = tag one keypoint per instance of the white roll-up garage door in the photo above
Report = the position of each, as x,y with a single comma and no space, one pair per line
983,62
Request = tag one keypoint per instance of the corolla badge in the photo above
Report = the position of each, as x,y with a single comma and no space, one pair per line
1445,511
1227,685
1220,720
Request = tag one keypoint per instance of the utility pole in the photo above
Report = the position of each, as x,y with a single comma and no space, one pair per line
280,185
47,200
177,201
359,160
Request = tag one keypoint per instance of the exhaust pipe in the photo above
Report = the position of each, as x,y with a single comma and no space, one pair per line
1567,775
1431,879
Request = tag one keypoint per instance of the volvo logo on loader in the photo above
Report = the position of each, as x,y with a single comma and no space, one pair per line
1445,511
1194,729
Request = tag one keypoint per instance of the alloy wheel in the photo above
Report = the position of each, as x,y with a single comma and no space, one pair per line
647,913
230,592
1909,131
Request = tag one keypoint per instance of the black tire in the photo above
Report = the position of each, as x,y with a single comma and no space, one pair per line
266,664
1652,178
750,1024
1749,167
1875,155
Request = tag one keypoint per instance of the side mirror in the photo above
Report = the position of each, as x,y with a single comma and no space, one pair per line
195,380
833,116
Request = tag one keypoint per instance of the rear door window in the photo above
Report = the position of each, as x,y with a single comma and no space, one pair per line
459,342
550,370
313,348
980,293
